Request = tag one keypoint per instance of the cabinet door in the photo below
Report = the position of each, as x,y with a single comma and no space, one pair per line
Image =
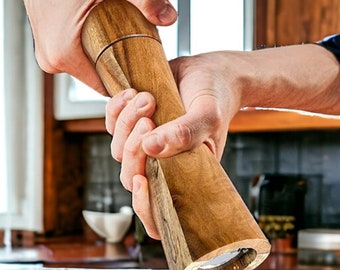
285,22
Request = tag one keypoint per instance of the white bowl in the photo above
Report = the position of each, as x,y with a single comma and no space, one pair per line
111,226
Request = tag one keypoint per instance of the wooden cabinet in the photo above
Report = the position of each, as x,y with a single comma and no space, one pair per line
285,22
64,172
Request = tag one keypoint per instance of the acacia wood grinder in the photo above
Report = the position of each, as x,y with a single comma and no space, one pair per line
202,220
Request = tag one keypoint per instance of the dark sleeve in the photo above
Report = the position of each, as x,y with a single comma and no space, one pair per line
332,43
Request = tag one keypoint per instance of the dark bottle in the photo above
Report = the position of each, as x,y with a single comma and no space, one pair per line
281,205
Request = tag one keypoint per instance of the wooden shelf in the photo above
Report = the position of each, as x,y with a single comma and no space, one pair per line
96,125
245,121
268,120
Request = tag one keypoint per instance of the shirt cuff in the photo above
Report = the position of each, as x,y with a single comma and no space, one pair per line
332,43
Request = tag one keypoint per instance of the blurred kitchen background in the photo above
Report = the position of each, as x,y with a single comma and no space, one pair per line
55,151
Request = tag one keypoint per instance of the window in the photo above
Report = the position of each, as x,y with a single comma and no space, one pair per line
217,25
223,30
21,123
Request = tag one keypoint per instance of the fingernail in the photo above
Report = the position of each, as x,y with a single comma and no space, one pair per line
154,143
129,94
141,102
167,14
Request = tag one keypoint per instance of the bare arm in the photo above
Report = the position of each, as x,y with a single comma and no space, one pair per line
303,77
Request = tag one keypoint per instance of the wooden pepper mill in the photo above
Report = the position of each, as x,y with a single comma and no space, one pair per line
202,220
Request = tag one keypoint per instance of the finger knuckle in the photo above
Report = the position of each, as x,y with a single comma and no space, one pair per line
184,134
130,150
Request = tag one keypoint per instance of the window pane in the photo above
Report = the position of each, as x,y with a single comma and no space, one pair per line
217,25
78,92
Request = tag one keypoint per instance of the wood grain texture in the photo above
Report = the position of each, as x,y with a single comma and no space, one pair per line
287,22
253,120
212,218
174,244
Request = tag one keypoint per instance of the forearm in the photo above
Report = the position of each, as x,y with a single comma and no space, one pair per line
303,77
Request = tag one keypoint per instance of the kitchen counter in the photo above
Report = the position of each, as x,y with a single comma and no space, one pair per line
288,261
79,253
76,252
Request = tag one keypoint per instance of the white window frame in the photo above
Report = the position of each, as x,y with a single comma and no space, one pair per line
23,86
3,170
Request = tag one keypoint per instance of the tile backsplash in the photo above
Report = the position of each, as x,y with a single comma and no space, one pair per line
104,191
313,154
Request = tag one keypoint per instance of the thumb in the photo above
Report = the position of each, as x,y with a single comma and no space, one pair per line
174,137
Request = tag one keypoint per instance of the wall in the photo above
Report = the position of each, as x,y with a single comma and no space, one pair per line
315,155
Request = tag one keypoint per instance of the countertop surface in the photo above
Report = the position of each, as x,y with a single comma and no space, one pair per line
77,253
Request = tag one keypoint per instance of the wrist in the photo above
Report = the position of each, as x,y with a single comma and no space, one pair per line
240,78
332,44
